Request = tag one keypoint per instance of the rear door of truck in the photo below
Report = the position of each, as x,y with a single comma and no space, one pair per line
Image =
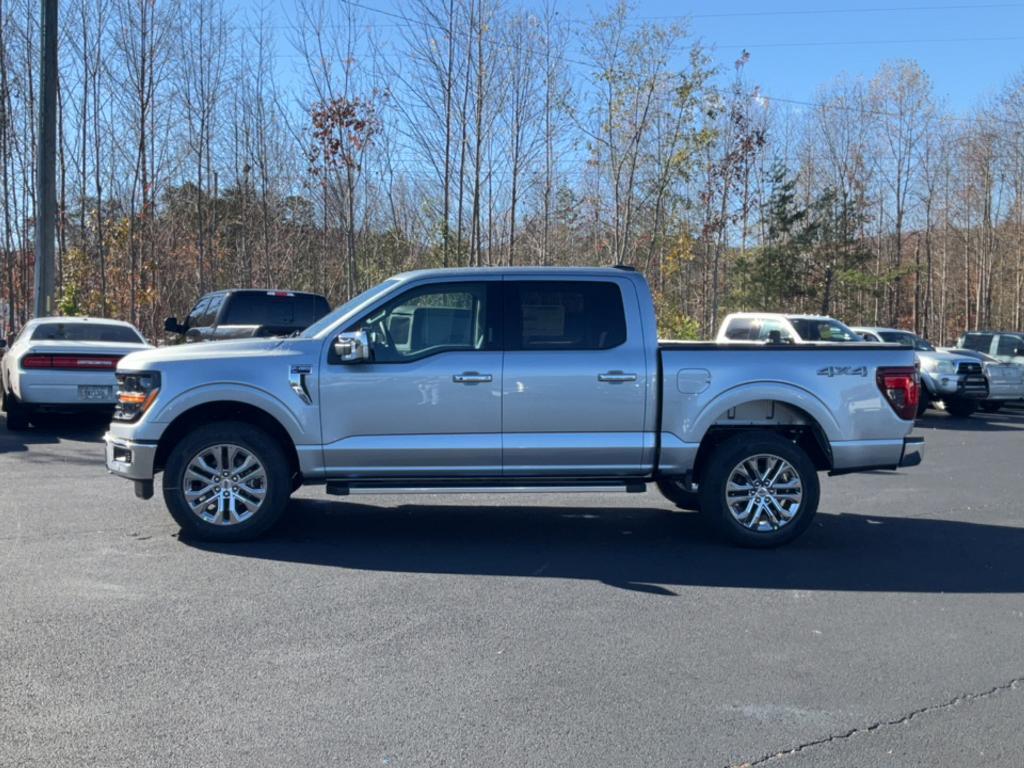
575,377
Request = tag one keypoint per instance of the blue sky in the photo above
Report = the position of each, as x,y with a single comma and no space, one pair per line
967,65
970,49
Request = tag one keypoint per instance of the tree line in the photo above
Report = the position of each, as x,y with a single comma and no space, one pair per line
200,148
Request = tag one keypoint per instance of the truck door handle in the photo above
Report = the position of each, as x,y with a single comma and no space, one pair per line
616,376
472,377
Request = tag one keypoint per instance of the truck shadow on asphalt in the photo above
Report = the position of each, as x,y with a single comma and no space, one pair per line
1001,421
52,429
645,549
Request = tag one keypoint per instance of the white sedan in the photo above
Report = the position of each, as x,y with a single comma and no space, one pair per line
64,364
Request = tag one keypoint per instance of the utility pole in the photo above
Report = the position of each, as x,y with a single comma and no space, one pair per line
46,158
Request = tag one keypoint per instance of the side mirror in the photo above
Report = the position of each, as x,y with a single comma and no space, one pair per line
352,347
171,325
774,337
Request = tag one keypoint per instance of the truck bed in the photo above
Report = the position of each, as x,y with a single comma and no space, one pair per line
753,346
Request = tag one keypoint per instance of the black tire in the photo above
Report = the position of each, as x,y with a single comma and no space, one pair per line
960,408
720,465
264,448
18,416
923,404
673,490
991,406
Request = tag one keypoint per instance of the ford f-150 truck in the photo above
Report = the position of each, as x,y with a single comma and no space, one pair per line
516,379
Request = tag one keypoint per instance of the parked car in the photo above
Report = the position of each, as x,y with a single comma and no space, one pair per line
1005,380
960,385
64,364
519,378
241,313
1008,347
782,329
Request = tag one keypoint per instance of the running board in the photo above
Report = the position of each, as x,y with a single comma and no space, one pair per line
354,488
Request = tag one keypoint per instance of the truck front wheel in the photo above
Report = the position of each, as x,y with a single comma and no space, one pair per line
226,481
759,490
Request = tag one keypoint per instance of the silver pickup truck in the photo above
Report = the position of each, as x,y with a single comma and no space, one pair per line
537,379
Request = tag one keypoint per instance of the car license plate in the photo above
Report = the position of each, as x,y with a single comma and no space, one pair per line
94,393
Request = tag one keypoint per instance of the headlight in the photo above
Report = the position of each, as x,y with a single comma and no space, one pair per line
942,367
135,394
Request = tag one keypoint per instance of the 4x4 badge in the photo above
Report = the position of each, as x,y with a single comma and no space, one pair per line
843,370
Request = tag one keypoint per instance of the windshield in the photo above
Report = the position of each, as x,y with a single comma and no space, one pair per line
120,334
366,296
822,329
907,340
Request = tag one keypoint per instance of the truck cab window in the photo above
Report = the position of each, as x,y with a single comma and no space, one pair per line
195,317
424,321
742,329
564,315
1009,345
770,326
980,342
209,316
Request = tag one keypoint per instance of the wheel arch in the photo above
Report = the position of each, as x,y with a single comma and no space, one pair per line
766,415
225,410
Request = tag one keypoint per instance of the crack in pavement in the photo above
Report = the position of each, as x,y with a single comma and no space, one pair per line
962,698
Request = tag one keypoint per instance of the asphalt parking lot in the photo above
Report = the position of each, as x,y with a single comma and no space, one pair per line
574,630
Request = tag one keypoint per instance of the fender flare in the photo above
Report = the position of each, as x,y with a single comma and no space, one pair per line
233,392
751,391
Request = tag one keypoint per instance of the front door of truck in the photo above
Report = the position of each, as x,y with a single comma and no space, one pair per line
575,381
428,401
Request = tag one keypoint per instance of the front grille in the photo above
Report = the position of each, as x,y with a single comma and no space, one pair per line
974,382
968,368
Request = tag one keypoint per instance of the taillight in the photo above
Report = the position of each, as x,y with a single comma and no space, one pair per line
85,362
36,361
902,388
71,362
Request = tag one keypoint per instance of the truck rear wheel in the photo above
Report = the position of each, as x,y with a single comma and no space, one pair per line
227,481
759,490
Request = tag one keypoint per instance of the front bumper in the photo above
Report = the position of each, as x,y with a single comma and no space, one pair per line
913,451
132,460
959,385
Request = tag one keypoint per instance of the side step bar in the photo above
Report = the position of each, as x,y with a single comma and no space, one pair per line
513,485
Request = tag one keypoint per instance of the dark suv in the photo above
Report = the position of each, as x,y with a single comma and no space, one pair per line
241,313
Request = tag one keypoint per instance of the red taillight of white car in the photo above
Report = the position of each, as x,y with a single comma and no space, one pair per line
902,388
70,362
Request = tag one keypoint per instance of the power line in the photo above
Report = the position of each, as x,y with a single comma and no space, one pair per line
908,41
833,11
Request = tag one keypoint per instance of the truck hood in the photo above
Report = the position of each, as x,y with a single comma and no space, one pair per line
940,355
198,351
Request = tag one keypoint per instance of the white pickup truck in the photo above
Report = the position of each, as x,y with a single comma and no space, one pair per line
537,379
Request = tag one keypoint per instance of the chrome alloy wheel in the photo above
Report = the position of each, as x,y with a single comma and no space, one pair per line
763,492
224,484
